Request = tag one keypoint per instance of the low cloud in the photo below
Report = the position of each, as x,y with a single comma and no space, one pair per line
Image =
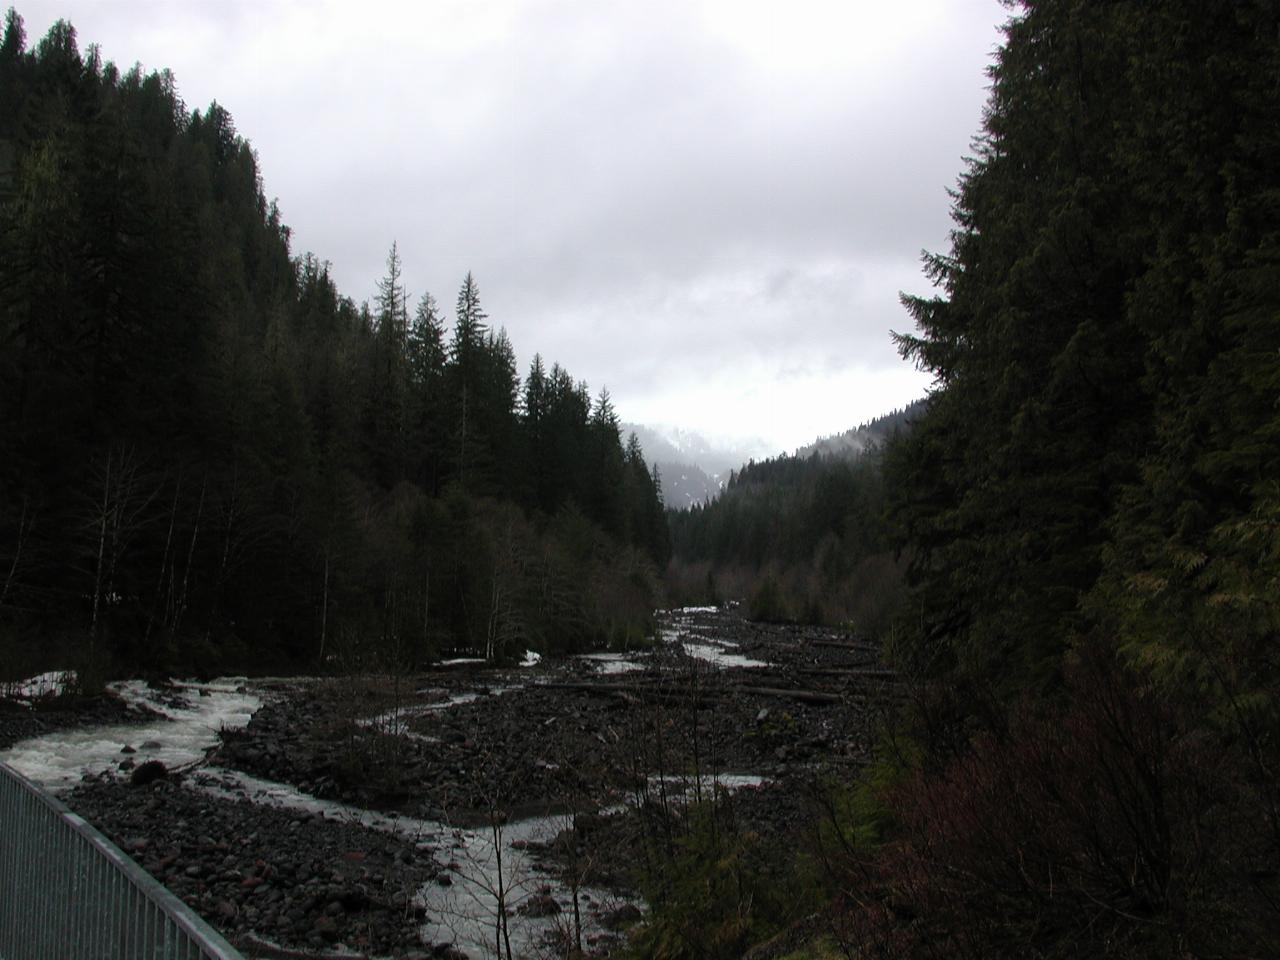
667,197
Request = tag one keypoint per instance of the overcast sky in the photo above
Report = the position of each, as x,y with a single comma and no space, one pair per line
708,207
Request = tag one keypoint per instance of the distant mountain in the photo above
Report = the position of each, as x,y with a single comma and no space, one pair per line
684,484
693,468
802,536
676,445
853,443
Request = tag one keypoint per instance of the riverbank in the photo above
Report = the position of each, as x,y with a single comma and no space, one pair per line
399,816
261,874
20,721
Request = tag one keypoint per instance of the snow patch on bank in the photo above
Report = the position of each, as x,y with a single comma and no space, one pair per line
47,685
609,664
709,650
717,656
708,784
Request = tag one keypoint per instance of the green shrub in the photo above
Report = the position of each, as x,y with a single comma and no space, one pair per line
768,603
715,890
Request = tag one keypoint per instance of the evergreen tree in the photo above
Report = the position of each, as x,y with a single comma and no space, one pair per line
469,329
426,342
605,496
465,362
213,460
1005,487
1090,499
427,359
393,307
15,37
389,414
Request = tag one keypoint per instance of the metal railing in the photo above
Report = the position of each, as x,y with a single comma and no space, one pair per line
67,892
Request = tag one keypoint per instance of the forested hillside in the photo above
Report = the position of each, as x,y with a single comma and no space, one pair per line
692,469
1085,760
803,537
1090,509
865,437
1099,456
211,457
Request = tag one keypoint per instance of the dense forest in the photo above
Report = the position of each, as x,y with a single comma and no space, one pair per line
212,458
1088,513
802,538
1089,504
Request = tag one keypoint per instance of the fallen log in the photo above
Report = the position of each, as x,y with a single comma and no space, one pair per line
682,694
253,945
866,673
629,692
802,696
845,644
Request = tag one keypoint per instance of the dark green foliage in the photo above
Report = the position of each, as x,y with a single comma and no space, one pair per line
800,538
1105,347
1090,506
209,457
1102,825
767,604
714,888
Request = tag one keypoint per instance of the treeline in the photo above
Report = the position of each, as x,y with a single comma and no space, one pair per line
210,457
1090,509
802,538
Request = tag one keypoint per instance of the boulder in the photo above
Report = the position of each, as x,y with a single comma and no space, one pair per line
539,905
148,772
620,917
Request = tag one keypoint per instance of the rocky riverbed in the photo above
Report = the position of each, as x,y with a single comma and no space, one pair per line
356,813
263,875
456,744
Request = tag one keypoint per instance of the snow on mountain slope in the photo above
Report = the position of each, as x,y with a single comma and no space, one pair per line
693,468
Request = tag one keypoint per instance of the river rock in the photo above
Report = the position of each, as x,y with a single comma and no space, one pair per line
208,873
539,905
326,926
148,772
621,916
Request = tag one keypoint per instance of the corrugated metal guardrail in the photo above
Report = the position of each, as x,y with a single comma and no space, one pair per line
67,892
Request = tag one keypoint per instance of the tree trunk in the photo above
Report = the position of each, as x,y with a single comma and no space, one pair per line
324,609
164,560
102,549
181,606
24,528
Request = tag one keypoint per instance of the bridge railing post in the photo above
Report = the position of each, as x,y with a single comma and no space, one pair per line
67,891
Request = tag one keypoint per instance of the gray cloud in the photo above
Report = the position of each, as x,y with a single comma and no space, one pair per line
662,196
